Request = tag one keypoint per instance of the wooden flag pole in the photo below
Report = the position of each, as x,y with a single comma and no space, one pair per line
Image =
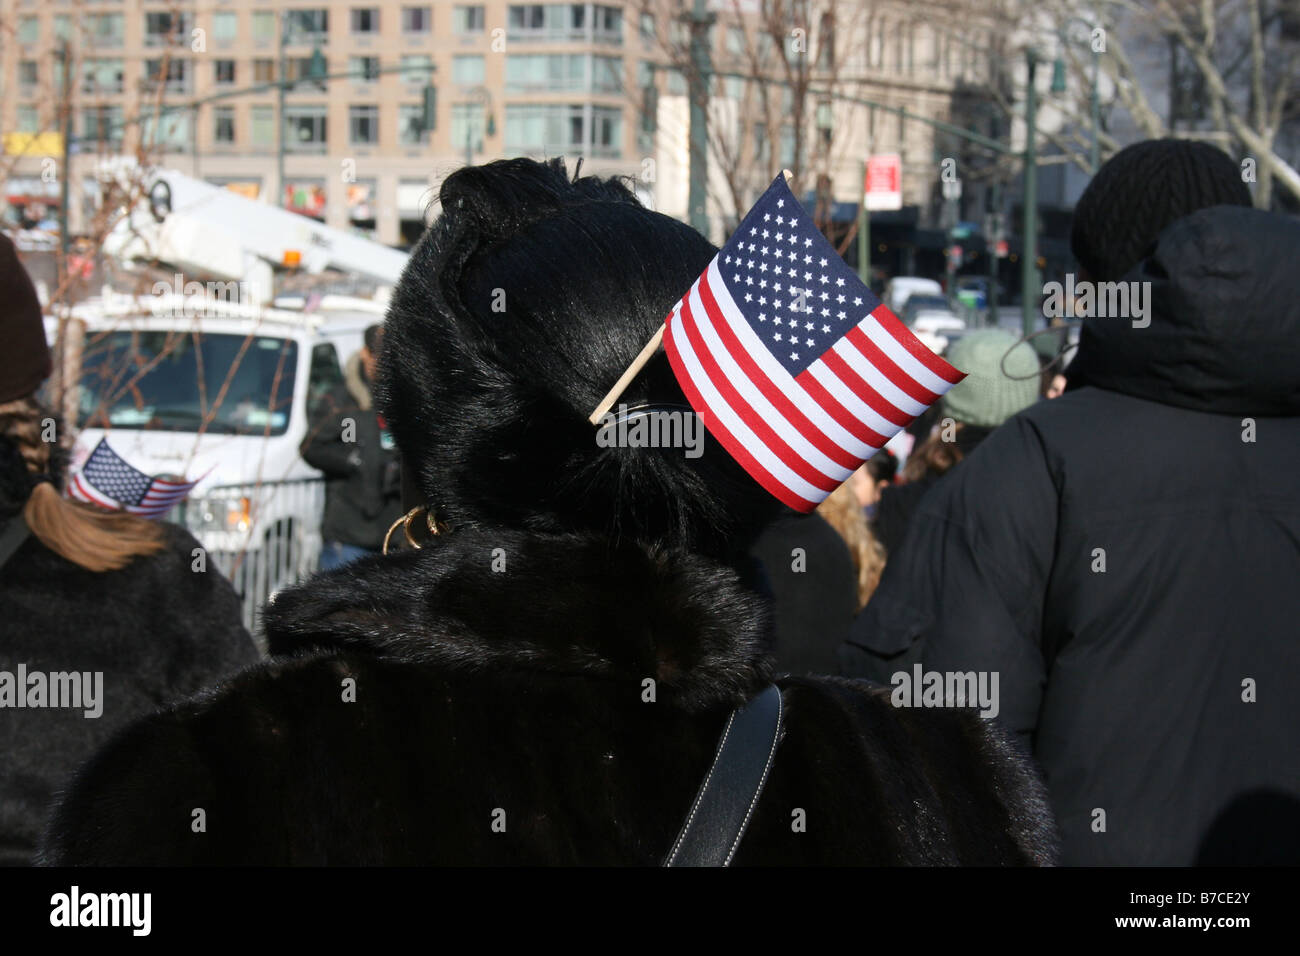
638,363
625,379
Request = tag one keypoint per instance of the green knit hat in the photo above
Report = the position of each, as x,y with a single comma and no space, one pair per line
1001,378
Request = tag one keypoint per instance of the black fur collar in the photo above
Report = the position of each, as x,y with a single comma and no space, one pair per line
482,598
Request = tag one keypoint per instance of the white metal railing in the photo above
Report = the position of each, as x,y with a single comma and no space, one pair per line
264,537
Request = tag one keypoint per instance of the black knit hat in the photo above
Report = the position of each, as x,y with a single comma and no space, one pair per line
1142,189
24,353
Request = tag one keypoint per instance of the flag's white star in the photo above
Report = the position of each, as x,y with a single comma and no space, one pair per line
749,280
825,296
822,263
779,237
823,279
794,356
808,326
826,328
762,316
736,277
762,300
780,203
763,250
777,336
807,277
839,281
780,220
810,342
807,242
776,285
753,230
807,259
749,297
826,312
767,216
857,300
839,298
762,267
765,235
727,259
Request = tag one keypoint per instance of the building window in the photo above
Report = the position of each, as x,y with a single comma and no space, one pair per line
225,26
606,74
102,125
263,27
365,19
262,127
417,20
606,131
223,73
736,41
544,128
28,33
29,119
106,29
165,27
305,129
468,19
364,69
762,145
223,124
467,70
410,124
363,125
102,76
308,26
546,72
647,31
417,68
608,27
787,146
171,132
177,78
263,71
676,83
467,122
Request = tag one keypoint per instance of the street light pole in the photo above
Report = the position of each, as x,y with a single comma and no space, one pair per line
1095,157
284,77
1029,253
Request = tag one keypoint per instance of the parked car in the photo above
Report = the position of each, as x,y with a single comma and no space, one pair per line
939,321
901,288
923,302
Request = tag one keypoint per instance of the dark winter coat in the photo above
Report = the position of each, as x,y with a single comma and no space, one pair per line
1127,557
345,441
441,706
156,629
814,592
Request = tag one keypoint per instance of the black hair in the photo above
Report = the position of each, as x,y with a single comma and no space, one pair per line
520,307
374,336
882,466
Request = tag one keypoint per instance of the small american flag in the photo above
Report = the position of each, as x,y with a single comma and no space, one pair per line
109,482
794,365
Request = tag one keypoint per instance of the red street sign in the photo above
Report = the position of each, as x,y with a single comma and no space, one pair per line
884,182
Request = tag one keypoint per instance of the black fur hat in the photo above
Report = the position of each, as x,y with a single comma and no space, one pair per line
519,309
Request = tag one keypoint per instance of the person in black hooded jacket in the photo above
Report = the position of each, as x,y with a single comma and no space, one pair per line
546,680
109,609
1126,557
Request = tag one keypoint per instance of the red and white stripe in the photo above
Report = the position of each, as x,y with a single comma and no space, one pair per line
800,437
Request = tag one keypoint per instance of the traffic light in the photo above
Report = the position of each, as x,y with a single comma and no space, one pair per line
429,113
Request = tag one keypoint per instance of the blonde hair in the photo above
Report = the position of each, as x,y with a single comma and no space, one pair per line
89,538
843,513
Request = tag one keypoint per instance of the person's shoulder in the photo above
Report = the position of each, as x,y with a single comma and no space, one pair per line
135,800
968,759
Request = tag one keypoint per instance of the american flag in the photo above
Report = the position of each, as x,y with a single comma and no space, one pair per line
793,364
109,482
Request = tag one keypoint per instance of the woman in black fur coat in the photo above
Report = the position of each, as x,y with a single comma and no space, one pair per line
545,682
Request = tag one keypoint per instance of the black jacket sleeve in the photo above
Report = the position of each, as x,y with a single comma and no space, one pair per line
324,447
966,589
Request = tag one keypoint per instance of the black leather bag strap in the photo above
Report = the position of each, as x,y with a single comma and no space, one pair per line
12,537
730,792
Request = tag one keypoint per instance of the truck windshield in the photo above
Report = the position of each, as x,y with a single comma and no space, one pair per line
188,382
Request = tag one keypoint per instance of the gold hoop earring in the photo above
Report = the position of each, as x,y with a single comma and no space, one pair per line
431,523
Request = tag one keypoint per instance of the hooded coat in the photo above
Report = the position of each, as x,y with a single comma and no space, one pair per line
156,630
1127,558
503,697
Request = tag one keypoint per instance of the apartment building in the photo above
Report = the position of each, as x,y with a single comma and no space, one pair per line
389,96
190,85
